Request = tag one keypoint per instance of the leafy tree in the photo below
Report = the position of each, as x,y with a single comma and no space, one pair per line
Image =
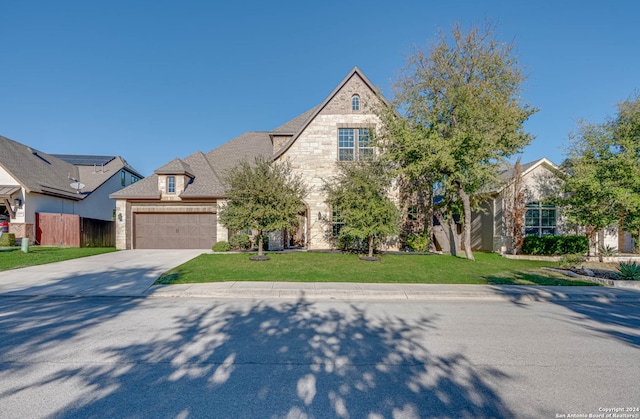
464,114
603,166
360,193
263,196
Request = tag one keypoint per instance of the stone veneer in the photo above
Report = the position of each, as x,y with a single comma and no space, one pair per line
314,154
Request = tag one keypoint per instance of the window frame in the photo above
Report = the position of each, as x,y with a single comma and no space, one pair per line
171,184
356,143
540,219
355,103
337,223
123,178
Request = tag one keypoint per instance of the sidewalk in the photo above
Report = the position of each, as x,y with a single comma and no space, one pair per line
390,292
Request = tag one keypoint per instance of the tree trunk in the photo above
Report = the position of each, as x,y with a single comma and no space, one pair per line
453,237
466,205
371,245
260,251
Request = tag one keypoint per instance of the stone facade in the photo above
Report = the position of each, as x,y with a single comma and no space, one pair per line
314,153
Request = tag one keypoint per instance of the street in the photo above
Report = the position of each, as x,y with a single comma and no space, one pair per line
201,357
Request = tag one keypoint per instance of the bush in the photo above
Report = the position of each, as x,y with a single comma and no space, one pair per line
607,251
351,244
221,246
555,245
419,242
7,239
240,241
629,271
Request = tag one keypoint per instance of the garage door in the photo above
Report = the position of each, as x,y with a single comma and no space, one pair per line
174,231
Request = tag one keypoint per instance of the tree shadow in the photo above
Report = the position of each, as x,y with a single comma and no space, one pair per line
291,360
608,311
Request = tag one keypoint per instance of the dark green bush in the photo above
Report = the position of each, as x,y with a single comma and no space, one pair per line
555,245
240,241
7,239
419,242
348,243
221,246
629,271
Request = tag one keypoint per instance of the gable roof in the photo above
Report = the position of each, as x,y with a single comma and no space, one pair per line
506,175
310,115
52,174
209,169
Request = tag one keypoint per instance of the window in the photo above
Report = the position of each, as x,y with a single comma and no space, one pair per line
355,103
123,178
354,144
171,184
337,223
134,178
540,220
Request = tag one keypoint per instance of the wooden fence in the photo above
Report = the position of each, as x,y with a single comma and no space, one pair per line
74,231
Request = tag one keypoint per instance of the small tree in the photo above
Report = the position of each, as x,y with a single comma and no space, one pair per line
360,193
263,196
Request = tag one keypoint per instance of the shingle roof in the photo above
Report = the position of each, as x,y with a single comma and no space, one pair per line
291,127
175,167
206,182
53,174
247,147
146,188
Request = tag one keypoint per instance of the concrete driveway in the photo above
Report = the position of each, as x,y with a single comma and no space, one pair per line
123,273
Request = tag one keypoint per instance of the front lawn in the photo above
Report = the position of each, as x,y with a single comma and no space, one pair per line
331,267
12,258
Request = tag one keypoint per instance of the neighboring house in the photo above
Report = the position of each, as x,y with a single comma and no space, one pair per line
539,182
177,206
33,182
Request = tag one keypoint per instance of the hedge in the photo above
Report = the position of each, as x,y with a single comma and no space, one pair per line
555,245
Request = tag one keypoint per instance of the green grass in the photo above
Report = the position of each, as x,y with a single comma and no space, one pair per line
330,267
12,258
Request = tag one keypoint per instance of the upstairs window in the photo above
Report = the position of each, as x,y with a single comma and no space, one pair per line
355,103
171,184
354,144
123,178
540,220
134,178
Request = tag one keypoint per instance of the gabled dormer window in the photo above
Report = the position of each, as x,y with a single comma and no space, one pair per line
171,184
355,103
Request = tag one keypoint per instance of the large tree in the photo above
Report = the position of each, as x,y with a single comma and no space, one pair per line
360,195
264,195
464,111
602,185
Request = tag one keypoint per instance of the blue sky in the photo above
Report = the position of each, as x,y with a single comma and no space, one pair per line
154,80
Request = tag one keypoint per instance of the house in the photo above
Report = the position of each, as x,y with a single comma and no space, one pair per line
33,182
489,232
177,206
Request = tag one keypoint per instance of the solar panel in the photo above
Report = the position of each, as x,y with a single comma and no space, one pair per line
84,160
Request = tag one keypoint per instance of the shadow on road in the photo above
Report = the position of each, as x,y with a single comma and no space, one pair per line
283,360
606,312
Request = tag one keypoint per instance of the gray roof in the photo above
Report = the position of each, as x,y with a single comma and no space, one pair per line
210,169
175,167
44,173
84,160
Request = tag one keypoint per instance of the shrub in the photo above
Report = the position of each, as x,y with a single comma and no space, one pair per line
607,251
572,259
555,245
629,271
348,243
221,246
240,241
7,239
419,242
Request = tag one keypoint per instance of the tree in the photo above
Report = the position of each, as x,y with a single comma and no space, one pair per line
360,194
263,196
603,165
465,116
515,208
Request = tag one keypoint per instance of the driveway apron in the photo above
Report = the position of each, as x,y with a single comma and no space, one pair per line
124,273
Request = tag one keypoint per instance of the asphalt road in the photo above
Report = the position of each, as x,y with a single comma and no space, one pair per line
199,357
